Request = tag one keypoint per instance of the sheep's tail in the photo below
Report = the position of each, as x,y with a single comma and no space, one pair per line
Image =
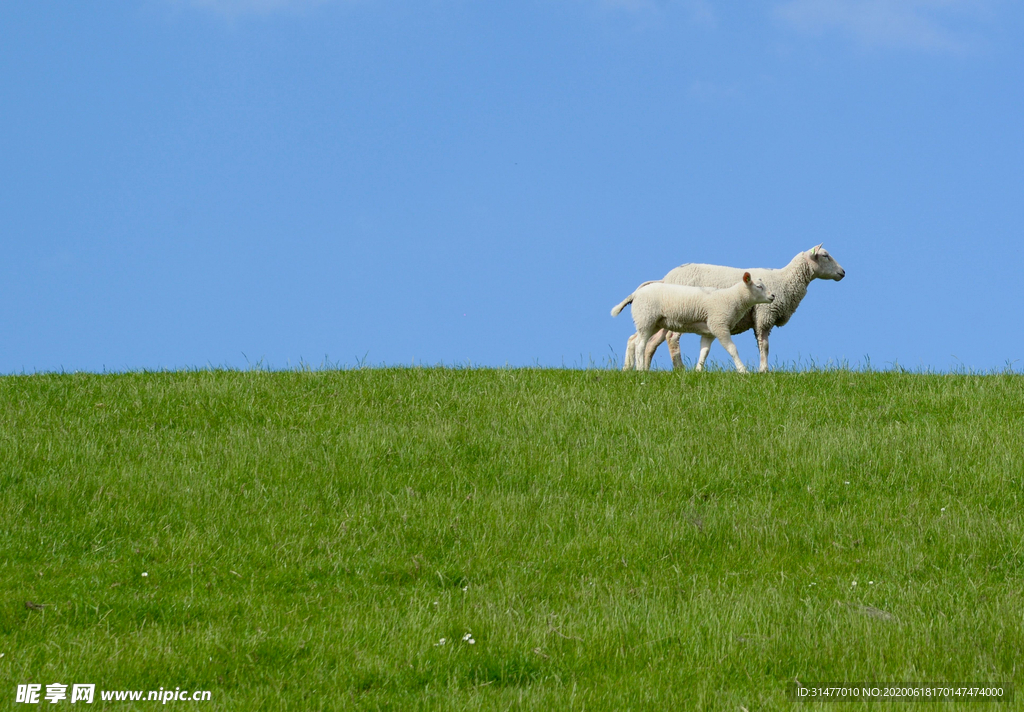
622,305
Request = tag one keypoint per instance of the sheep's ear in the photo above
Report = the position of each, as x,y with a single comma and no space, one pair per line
814,252
746,277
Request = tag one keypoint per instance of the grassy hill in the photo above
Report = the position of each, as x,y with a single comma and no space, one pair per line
607,540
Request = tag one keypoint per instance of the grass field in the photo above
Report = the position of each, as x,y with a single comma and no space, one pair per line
305,540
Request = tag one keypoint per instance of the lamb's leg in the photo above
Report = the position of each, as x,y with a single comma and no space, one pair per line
673,349
630,346
705,347
656,340
762,346
641,344
726,341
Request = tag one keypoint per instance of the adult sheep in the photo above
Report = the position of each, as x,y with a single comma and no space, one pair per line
789,285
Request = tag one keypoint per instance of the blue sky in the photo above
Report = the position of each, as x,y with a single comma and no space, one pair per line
223,182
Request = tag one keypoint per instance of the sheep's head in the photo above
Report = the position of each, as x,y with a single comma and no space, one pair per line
824,265
758,289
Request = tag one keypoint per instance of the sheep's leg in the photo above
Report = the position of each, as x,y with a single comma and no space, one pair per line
705,348
630,346
726,341
673,349
656,340
641,345
762,346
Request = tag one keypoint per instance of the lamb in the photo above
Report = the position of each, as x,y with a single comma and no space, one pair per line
789,284
712,313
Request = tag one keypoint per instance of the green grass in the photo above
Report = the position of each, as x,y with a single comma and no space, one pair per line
611,540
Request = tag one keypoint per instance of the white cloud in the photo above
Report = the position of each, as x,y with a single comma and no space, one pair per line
632,5
700,11
920,24
234,8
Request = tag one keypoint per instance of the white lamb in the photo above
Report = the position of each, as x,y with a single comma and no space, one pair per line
789,285
712,313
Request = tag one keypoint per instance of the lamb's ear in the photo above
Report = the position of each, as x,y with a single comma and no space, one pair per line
746,277
814,252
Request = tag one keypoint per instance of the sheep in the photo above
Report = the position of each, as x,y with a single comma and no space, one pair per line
789,284
696,310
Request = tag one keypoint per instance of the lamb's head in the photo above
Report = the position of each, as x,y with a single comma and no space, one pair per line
823,265
758,290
